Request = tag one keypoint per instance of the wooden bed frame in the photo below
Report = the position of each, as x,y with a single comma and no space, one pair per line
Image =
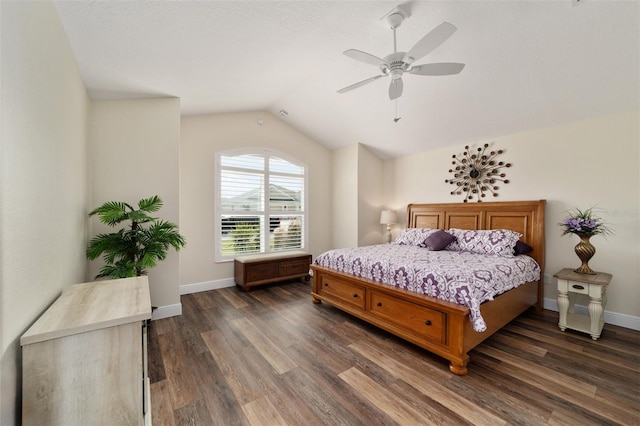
438,326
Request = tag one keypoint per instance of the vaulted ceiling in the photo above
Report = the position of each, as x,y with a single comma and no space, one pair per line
529,64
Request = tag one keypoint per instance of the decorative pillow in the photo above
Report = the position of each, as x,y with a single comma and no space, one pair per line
439,240
414,236
499,242
522,248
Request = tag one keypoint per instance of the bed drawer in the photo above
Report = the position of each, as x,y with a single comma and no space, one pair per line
353,295
424,322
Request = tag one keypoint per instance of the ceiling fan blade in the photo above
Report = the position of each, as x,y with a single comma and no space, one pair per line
395,88
428,43
442,68
360,83
365,57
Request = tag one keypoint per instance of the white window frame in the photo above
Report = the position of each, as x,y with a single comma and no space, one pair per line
264,244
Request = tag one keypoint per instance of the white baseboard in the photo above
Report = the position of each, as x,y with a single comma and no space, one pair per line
207,285
167,311
176,310
615,318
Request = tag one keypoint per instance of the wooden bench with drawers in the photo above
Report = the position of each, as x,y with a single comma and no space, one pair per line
260,269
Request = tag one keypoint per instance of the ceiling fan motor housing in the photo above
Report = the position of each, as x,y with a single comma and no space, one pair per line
394,65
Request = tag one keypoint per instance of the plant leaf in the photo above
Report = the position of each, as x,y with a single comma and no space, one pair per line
140,216
121,269
111,212
151,204
104,243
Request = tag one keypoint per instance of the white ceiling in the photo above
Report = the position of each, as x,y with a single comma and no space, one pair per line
529,64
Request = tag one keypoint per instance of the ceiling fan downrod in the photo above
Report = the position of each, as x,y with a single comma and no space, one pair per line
394,20
395,46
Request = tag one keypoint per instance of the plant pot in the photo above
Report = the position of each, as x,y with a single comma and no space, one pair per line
585,251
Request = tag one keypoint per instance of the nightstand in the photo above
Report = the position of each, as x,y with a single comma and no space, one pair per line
570,284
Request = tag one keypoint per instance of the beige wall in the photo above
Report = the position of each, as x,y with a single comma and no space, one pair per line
134,154
202,137
357,197
582,164
344,197
370,197
43,184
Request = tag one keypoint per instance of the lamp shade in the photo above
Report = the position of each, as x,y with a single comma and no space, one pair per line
388,216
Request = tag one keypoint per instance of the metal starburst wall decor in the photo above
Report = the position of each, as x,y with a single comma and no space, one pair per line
477,173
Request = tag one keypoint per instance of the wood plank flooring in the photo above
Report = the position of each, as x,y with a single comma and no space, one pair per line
271,357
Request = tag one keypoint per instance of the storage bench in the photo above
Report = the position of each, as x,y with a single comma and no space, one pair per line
259,269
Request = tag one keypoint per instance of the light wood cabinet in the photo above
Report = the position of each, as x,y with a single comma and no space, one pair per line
259,269
84,360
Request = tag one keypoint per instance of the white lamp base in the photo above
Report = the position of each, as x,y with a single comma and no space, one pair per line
387,235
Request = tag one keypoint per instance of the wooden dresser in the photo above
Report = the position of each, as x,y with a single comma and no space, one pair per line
254,270
84,361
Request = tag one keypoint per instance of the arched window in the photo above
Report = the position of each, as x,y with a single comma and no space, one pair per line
260,203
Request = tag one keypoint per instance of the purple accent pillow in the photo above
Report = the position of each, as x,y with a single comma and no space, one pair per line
499,242
414,236
522,248
439,240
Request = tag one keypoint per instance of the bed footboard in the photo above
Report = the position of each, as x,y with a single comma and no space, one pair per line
432,324
440,327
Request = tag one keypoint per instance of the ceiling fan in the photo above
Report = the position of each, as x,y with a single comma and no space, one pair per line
397,63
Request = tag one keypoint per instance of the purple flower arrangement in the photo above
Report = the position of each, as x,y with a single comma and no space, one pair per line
584,223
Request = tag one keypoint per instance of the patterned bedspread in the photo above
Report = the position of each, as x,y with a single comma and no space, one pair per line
464,278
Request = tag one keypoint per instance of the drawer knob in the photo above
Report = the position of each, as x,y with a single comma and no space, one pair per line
355,294
379,304
326,284
578,287
427,322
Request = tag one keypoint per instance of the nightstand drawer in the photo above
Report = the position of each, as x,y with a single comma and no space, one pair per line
578,287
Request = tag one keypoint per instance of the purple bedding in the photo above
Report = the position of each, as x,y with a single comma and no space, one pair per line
460,277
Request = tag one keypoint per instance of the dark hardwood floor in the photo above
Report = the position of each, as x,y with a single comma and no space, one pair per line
271,357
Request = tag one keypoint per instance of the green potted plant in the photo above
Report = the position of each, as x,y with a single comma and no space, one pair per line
138,246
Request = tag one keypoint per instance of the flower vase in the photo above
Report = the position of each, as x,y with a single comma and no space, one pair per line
585,251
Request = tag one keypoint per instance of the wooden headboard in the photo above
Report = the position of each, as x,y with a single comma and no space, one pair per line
525,217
